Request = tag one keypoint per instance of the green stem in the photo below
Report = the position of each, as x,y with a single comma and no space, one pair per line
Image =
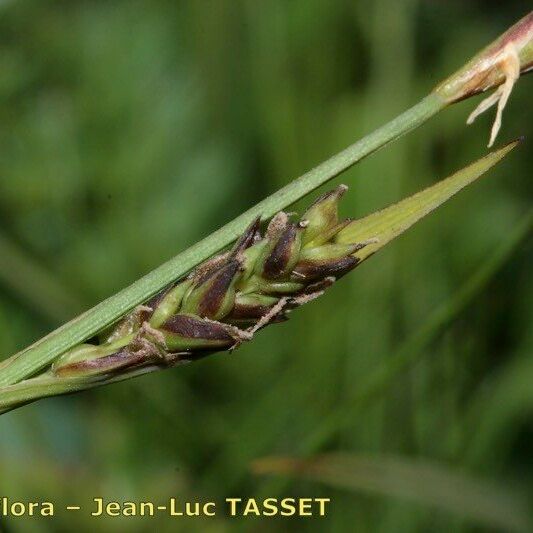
382,226
483,72
29,390
37,356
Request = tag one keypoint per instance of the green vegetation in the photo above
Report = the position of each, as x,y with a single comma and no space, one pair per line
132,130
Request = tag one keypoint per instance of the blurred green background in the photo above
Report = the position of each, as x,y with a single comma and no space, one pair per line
131,129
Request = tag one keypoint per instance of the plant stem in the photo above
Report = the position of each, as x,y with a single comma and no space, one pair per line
37,356
486,70
381,227
28,391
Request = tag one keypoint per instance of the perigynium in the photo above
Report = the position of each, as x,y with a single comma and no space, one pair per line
229,297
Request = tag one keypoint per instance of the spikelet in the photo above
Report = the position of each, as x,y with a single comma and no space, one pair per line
226,299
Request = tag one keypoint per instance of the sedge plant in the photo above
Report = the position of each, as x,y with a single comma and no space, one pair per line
203,301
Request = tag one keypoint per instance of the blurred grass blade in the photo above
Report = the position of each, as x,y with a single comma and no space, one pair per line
392,221
498,408
35,285
497,398
421,482
413,348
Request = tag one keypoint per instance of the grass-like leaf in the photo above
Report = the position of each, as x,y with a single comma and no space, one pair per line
390,222
418,481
